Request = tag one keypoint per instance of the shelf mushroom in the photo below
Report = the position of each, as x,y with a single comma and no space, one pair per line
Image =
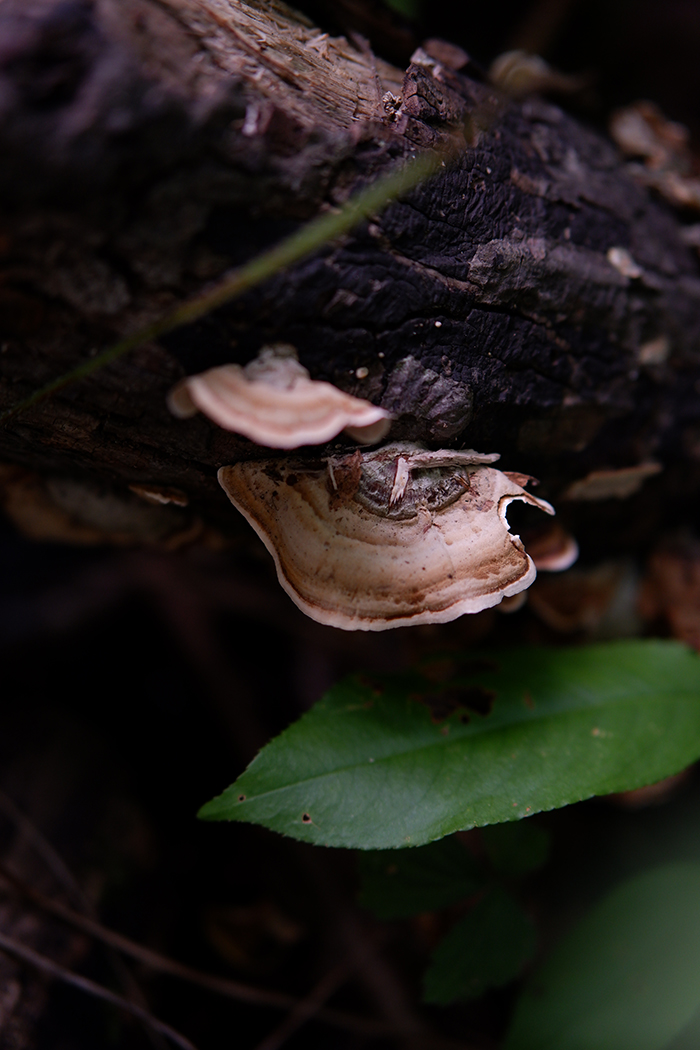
391,538
274,402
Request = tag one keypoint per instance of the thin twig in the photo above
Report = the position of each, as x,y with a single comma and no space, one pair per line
367,1026
51,858
40,962
307,1007
372,968
163,964
312,236
64,876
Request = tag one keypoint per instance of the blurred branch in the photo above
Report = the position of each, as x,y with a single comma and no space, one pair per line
63,875
162,964
40,962
307,1007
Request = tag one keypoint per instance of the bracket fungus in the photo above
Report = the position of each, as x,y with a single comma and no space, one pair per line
274,402
395,537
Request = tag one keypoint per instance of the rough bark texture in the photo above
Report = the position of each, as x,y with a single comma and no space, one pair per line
148,145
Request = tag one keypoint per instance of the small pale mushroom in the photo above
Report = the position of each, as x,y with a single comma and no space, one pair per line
274,402
160,494
396,537
520,73
553,549
612,484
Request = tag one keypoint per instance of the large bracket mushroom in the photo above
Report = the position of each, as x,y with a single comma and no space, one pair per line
391,538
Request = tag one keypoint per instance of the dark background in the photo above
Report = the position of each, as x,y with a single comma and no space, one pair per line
138,684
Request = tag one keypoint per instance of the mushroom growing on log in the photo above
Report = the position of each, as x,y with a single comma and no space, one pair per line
510,303
273,402
371,555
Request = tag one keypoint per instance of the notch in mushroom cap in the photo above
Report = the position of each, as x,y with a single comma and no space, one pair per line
355,550
274,402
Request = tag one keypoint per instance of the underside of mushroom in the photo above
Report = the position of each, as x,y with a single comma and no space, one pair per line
392,538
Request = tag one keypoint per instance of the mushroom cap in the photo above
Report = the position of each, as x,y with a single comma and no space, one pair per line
274,402
350,559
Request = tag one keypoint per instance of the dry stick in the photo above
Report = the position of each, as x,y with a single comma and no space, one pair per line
366,1026
307,1007
312,236
40,962
161,963
64,876
53,860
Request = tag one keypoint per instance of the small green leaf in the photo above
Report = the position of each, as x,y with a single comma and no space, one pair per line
626,978
395,885
369,768
486,949
407,8
516,849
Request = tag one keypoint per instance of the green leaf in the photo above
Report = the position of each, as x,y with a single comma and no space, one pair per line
626,978
516,849
486,949
369,767
689,1038
407,8
424,879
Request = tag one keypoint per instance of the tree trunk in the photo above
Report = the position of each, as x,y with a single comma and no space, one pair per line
533,300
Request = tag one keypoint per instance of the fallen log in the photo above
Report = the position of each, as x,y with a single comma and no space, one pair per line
532,300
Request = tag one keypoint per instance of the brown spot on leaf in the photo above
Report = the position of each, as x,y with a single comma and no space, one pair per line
447,667
461,699
478,699
370,683
441,670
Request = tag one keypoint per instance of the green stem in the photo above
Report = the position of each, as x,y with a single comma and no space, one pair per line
308,239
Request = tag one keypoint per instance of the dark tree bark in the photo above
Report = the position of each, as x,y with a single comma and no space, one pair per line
149,145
